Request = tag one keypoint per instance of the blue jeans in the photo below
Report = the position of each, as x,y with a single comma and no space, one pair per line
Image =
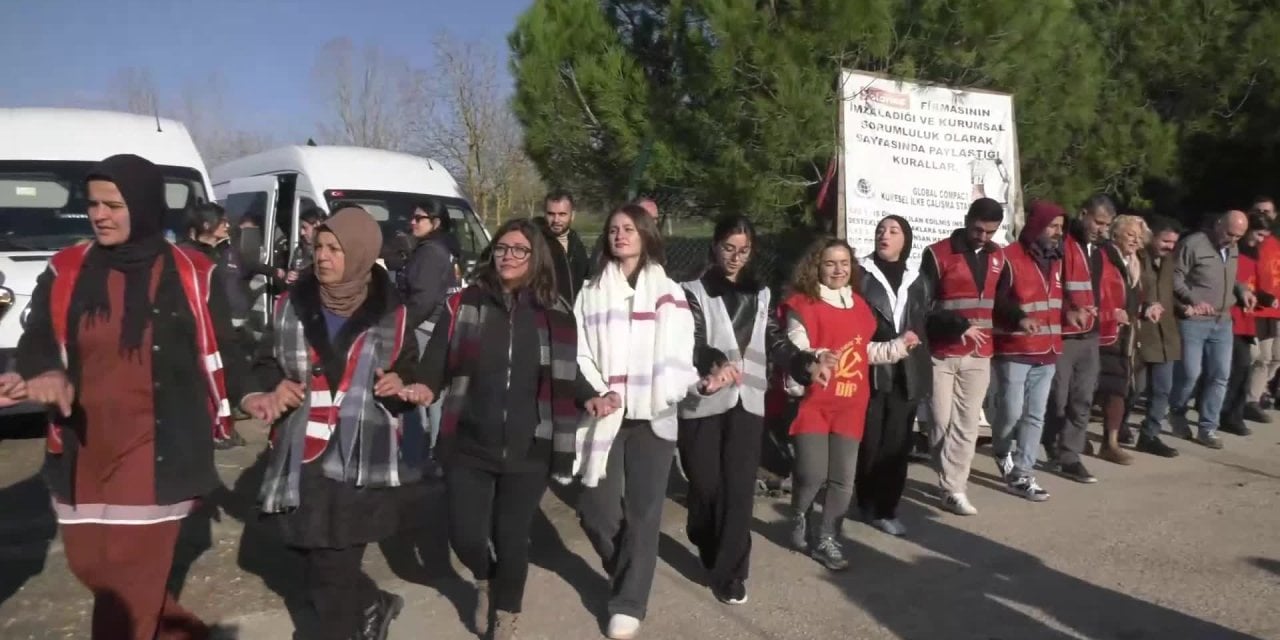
1020,407
1159,387
1206,348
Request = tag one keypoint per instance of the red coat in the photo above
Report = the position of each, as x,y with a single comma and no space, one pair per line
1269,274
958,292
1039,298
841,406
1245,323
1112,295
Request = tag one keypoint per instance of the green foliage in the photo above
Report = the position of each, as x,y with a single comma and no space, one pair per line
1153,101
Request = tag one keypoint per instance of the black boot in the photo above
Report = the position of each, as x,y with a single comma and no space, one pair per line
378,617
1155,447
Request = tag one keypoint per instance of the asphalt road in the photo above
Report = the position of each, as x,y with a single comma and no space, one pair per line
1164,549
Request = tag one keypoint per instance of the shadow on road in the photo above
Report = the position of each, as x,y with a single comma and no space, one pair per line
27,529
979,588
1267,564
420,552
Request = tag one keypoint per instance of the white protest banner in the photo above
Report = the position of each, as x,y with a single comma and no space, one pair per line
924,153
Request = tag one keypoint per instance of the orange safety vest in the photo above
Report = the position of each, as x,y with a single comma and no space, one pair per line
958,292
195,271
1039,298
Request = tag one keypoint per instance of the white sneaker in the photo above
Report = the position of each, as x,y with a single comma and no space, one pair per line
1005,465
958,503
623,627
891,526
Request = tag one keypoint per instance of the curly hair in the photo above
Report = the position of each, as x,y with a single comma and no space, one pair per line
541,279
808,273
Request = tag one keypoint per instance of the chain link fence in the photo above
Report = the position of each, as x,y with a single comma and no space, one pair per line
774,255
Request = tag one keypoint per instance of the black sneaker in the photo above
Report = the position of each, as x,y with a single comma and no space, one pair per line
1076,471
1125,436
1156,447
1209,440
1254,413
1266,402
829,554
1236,429
735,593
378,617
1180,426
1027,487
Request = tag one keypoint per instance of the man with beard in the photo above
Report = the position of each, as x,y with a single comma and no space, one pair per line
1075,378
1204,281
572,266
1028,342
1263,370
1159,342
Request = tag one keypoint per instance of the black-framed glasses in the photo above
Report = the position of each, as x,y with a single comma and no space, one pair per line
731,251
517,251
422,218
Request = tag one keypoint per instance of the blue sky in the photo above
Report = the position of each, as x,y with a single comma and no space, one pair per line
66,52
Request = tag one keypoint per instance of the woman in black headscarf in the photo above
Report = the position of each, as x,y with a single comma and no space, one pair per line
127,342
900,300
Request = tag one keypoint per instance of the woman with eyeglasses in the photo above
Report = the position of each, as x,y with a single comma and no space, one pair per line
635,348
736,337
506,350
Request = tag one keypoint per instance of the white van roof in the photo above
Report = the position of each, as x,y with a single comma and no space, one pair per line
347,168
88,135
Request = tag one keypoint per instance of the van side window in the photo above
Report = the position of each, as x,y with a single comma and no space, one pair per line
466,227
249,203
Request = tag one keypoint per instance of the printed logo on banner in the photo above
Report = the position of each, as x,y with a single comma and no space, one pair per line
888,98
864,188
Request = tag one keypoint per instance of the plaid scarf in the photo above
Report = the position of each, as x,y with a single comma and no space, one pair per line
368,449
558,368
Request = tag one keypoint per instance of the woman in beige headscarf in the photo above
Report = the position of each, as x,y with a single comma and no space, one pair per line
1115,381
340,359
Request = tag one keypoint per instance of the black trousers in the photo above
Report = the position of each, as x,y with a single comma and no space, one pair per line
490,518
884,454
1238,383
339,590
720,455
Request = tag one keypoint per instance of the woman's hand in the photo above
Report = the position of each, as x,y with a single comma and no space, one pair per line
604,405
54,389
910,339
720,378
820,373
389,384
263,406
418,394
13,389
289,394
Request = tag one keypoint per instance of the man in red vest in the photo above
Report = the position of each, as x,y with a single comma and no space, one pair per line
1264,367
1075,378
1028,341
1244,327
963,270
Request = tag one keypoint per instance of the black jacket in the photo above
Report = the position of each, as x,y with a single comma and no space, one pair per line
914,375
743,305
427,278
305,294
573,267
183,442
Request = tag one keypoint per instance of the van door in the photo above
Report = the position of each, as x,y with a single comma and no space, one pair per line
254,198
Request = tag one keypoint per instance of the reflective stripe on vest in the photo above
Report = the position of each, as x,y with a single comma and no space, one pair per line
1077,282
721,336
1039,298
958,292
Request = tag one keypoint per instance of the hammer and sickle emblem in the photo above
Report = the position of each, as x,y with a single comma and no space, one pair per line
849,361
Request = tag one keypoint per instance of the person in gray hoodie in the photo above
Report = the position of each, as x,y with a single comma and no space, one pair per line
1204,284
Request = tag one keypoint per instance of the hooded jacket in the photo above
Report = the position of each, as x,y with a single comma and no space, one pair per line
1008,312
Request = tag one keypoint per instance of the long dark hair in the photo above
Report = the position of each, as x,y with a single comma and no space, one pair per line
651,249
726,227
808,272
541,279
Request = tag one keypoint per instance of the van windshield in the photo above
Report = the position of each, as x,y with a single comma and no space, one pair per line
43,203
393,210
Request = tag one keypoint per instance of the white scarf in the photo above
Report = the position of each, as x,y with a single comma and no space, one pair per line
635,342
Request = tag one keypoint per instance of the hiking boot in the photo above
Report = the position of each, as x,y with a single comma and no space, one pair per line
1156,447
1125,437
481,615
1235,429
1115,455
1209,440
1026,487
504,625
1254,413
1076,471
829,554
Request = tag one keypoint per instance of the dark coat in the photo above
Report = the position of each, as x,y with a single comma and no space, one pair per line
429,275
183,435
573,267
914,374
1158,341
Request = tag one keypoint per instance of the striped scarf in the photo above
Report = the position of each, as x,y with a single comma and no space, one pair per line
368,449
557,349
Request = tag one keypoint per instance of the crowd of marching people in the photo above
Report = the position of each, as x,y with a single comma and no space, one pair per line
551,365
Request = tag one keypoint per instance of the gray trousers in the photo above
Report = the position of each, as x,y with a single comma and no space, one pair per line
1074,382
824,460
622,514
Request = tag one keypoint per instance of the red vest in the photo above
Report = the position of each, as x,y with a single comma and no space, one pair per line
1269,274
958,292
1039,298
846,333
326,400
195,271
1245,323
1077,284
1112,293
